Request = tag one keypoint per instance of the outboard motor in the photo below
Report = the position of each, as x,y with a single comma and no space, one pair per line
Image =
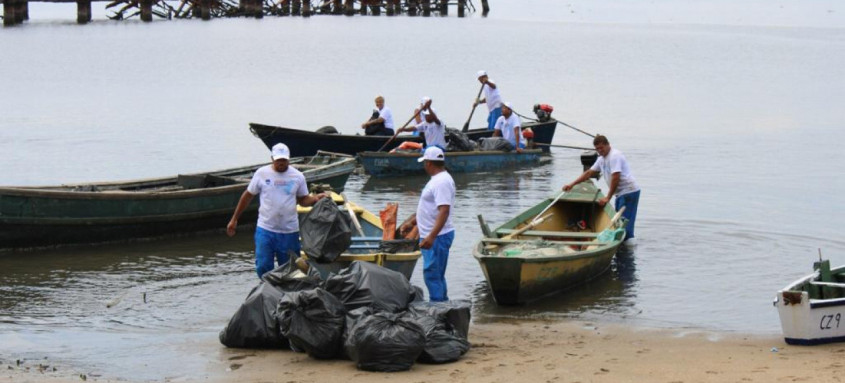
543,112
588,158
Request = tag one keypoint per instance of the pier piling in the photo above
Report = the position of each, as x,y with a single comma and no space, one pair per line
426,7
485,7
412,7
83,11
146,10
462,4
444,7
306,8
9,10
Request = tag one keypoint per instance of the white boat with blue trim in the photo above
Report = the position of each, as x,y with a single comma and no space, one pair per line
812,309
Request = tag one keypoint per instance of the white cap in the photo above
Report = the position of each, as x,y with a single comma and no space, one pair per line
481,73
425,100
508,104
432,153
281,151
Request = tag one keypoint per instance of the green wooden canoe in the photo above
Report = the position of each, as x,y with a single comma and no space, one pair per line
555,254
103,212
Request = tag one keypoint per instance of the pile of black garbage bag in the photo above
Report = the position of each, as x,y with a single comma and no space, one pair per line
365,313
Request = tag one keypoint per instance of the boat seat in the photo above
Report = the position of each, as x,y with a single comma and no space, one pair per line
201,181
364,246
366,239
559,234
828,284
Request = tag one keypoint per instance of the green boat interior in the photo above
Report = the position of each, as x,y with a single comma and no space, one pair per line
825,283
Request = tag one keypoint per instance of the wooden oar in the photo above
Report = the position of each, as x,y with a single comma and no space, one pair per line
399,130
352,215
550,205
616,217
527,227
466,124
564,146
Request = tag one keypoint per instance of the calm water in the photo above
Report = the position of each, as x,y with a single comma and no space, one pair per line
730,113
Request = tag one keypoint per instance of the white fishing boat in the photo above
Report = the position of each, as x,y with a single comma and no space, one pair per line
812,309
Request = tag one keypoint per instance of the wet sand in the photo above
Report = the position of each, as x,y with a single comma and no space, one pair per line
534,352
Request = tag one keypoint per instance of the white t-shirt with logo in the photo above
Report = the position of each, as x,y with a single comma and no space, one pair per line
277,198
434,134
492,96
439,191
615,162
506,125
387,115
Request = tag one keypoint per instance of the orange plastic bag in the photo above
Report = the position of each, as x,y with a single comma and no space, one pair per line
388,221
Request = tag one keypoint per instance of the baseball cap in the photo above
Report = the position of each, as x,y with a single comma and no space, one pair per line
425,100
280,151
508,104
481,73
432,153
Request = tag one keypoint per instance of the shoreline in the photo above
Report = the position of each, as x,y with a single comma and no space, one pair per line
569,351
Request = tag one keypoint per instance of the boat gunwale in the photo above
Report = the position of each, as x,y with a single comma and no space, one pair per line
370,154
328,170
548,258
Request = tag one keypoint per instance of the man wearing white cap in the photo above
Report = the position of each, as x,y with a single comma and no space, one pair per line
432,127
280,187
509,127
381,122
419,113
491,97
434,221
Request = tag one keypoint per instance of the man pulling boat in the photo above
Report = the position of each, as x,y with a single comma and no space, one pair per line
620,180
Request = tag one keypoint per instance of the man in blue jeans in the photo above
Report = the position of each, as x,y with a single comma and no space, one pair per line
434,221
620,180
280,188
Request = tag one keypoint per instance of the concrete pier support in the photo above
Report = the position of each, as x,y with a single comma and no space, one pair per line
306,8
23,11
337,7
363,10
350,7
485,8
412,7
296,7
375,7
146,10
444,7
258,9
83,11
388,9
205,9
10,10
426,6
462,5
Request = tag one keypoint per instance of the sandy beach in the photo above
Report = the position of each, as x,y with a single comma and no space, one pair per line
534,351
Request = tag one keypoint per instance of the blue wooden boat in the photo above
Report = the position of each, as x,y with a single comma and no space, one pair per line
306,143
381,164
39,216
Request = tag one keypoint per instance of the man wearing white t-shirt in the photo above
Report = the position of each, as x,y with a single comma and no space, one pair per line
280,188
492,98
621,183
434,221
509,127
432,127
381,122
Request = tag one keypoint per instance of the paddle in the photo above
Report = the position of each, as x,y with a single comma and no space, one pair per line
352,216
466,124
536,221
400,129
547,207
564,146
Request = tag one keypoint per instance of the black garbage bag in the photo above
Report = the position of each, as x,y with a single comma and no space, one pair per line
326,231
312,320
495,143
446,325
288,277
254,325
394,246
418,295
385,342
459,141
352,319
367,284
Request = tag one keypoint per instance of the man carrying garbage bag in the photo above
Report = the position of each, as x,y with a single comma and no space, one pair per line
280,187
434,220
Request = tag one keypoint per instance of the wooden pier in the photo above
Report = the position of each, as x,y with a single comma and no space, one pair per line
17,11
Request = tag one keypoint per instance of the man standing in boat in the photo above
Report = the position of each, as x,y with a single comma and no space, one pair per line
614,167
432,127
509,127
434,221
381,123
492,98
280,188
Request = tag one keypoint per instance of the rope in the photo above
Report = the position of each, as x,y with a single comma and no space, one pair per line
559,122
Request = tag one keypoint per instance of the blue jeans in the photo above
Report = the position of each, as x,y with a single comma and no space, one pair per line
492,117
434,266
630,201
269,244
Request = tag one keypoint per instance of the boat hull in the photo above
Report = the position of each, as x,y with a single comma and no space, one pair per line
305,143
49,216
807,321
516,281
383,165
